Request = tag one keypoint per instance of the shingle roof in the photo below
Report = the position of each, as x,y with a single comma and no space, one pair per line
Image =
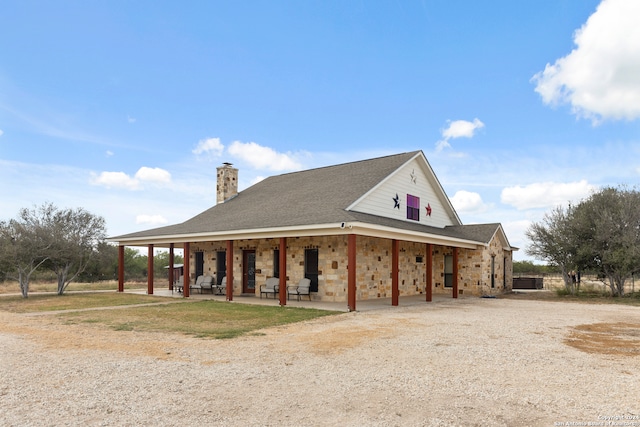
310,197
314,196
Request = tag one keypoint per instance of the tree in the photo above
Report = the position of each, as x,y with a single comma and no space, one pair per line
607,226
552,241
601,233
77,235
26,244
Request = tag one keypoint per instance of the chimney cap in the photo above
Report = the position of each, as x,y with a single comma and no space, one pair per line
227,164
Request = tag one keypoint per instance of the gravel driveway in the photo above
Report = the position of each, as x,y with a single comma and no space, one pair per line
470,361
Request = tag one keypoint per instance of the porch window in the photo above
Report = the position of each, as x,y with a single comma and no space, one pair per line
448,271
221,266
276,263
311,267
413,207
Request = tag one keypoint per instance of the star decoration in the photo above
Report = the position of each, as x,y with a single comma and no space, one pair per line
396,201
428,209
413,176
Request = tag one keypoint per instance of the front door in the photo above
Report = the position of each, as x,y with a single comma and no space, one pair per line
249,272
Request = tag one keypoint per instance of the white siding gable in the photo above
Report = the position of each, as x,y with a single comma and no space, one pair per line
413,178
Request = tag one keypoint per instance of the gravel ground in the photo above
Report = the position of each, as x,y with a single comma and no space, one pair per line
470,361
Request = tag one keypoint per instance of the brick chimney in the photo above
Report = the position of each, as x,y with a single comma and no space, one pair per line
227,183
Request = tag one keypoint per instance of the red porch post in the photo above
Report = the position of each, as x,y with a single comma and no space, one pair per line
455,272
150,270
282,261
186,281
351,272
429,290
171,259
229,270
394,272
121,268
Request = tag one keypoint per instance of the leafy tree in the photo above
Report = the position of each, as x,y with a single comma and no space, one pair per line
601,234
161,262
607,226
26,244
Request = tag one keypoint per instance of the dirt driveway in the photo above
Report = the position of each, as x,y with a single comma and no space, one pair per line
467,362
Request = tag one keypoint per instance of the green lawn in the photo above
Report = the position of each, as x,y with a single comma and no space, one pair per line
206,319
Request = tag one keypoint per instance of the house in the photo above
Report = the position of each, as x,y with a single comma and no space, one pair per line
375,228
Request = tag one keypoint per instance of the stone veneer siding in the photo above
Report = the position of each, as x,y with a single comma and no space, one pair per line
373,258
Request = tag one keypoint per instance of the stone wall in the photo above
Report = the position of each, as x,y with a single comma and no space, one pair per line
374,262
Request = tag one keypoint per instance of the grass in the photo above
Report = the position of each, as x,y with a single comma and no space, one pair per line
205,319
37,303
12,287
584,296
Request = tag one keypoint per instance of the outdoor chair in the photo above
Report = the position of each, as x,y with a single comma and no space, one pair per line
207,284
220,289
271,287
198,284
302,288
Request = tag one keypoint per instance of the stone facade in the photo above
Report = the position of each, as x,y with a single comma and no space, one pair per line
487,270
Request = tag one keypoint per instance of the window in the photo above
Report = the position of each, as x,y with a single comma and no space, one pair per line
311,270
276,263
448,271
221,266
413,207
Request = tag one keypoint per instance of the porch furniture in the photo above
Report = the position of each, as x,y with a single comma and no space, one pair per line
272,286
302,288
220,289
198,284
207,284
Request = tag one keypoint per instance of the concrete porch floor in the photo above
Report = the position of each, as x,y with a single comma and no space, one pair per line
361,305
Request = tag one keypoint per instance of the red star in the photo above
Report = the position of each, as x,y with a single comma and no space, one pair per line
428,209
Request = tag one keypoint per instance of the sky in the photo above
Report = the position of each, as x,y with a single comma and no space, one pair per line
126,108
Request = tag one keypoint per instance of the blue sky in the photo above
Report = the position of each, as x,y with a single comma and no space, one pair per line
126,108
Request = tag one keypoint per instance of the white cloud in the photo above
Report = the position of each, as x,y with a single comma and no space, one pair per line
153,175
466,201
131,119
108,153
262,157
458,129
1,132
211,146
545,194
151,219
600,78
123,180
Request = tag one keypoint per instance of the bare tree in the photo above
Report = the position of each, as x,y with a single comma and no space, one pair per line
25,244
552,241
76,237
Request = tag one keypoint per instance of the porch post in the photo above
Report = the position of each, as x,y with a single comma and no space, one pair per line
121,268
171,259
150,270
186,281
229,270
351,272
394,272
455,273
282,261
429,290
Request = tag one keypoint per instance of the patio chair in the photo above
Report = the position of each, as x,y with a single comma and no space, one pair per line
197,285
271,287
220,289
207,284
302,288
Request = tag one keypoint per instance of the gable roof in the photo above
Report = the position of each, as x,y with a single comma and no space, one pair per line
310,202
